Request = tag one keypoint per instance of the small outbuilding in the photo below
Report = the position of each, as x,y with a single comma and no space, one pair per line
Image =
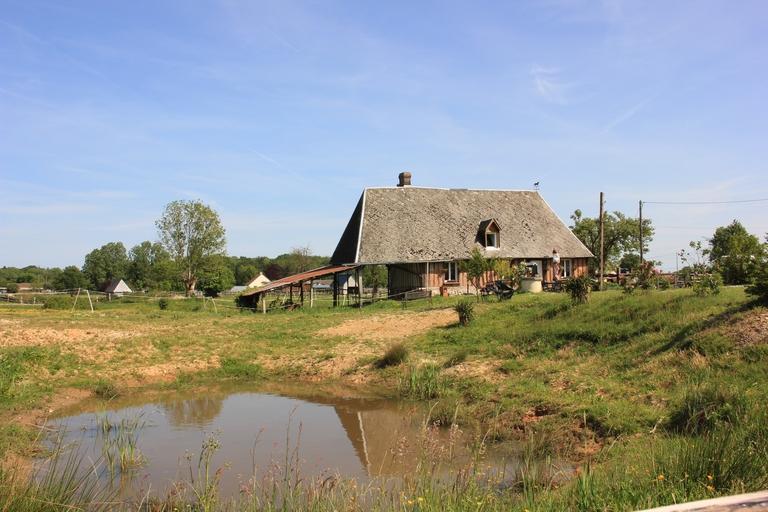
258,281
116,288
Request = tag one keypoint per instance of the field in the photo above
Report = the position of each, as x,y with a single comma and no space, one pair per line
655,396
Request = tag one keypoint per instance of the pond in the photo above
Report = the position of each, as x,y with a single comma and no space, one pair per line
246,434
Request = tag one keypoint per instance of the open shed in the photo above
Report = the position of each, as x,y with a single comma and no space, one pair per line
301,286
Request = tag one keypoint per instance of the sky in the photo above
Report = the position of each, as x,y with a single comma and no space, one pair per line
278,114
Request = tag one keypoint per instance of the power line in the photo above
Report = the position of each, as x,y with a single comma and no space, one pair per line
707,202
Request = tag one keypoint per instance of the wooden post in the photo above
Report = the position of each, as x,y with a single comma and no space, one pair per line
312,292
89,299
290,293
359,282
602,241
264,303
75,303
641,232
335,290
301,293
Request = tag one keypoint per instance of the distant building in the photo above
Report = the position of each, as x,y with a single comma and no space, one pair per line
116,287
258,281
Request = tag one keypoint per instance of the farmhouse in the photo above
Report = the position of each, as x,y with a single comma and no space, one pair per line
259,280
423,234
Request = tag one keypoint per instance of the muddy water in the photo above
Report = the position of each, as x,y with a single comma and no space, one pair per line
320,431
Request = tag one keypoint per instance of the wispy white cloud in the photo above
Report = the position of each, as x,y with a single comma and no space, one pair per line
548,84
626,115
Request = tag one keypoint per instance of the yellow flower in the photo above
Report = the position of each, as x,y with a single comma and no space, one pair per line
660,478
421,499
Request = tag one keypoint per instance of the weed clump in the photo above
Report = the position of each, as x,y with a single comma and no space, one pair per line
163,303
708,284
466,311
705,407
239,369
456,358
423,383
394,355
105,390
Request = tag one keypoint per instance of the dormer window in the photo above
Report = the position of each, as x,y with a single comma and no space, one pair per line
489,234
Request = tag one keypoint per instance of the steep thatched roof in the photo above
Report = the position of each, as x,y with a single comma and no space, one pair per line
413,224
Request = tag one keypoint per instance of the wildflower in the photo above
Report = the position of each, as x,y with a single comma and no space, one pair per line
710,488
421,499
660,478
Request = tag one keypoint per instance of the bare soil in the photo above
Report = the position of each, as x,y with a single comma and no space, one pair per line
393,326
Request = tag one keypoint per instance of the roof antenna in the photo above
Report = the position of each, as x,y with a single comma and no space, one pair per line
536,186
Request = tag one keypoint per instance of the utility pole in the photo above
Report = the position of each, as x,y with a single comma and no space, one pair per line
641,232
602,241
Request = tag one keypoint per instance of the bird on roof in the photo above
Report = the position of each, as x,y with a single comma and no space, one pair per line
536,185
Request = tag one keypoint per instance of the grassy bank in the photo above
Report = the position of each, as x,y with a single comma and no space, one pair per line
654,395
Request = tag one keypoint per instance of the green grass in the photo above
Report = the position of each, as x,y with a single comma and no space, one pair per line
630,387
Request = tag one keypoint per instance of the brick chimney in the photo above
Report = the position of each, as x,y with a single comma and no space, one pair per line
404,179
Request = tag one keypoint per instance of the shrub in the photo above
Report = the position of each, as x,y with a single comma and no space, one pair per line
466,311
578,288
162,303
705,407
707,284
65,302
759,283
394,355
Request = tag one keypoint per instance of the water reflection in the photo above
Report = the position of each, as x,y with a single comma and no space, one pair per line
359,437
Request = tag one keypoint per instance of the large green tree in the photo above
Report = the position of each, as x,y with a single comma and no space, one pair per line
734,252
70,278
215,276
151,267
192,233
622,235
110,261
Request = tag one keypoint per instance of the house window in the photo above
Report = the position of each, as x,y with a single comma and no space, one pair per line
491,239
451,271
567,268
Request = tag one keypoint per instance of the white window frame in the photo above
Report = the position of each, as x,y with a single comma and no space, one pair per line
566,267
451,272
495,235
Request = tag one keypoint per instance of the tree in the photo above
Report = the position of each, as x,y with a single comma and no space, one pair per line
375,276
245,273
215,276
192,233
150,266
622,235
299,259
70,278
734,252
110,261
476,267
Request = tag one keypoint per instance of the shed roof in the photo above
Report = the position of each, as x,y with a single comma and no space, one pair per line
296,278
116,286
415,224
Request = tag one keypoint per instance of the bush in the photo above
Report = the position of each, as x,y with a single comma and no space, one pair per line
578,288
394,355
466,311
65,302
163,303
759,283
705,407
707,284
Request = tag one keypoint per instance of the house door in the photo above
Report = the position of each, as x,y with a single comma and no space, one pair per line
536,266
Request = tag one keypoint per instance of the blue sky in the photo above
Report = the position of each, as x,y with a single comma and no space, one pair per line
279,113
